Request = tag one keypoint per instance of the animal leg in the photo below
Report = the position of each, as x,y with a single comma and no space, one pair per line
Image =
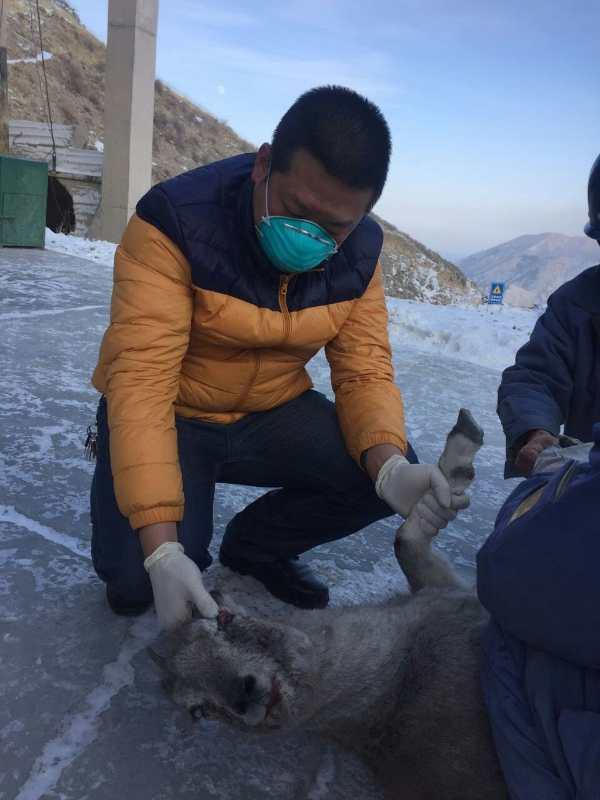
422,565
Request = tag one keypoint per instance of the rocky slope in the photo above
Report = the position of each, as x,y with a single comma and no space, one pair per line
532,265
185,135
413,271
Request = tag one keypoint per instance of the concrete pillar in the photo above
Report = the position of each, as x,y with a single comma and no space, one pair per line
128,112
3,79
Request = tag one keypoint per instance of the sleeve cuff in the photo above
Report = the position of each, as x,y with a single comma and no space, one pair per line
150,516
367,440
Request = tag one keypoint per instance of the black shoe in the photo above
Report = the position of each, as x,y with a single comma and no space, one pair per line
125,608
287,579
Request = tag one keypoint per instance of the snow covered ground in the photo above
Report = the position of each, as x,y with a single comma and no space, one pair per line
101,252
82,714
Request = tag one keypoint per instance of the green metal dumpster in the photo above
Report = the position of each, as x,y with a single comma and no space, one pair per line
23,195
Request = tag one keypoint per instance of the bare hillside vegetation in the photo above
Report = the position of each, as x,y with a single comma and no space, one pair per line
185,135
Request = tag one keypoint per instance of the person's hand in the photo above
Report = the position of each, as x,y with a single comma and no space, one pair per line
401,485
536,442
177,586
432,519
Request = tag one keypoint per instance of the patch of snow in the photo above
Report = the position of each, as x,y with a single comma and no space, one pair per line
517,296
198,119
14,726
46,312
99,146
92,249
44,55
77,546
482,334
80,729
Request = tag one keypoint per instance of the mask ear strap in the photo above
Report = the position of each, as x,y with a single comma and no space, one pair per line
266,217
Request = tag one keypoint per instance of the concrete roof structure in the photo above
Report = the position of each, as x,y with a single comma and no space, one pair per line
34,140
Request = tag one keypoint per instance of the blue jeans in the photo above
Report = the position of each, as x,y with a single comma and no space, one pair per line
298,446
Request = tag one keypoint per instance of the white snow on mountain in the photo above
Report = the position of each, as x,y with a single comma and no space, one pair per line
532,265
40,56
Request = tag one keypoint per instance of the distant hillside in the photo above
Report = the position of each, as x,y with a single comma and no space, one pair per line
533,265
185,135
413,271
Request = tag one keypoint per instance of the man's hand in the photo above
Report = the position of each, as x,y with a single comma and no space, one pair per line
402,485
177,586
176,580
432,518
536,442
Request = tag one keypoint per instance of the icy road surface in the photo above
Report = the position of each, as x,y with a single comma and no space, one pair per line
82,714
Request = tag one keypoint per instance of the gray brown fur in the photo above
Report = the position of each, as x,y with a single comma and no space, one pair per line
398,684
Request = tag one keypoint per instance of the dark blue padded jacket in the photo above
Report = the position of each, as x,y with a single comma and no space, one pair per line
539,577
556,376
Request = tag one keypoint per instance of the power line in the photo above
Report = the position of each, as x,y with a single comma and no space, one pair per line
37,5
34,55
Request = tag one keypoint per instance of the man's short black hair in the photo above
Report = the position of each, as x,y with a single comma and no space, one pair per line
346,132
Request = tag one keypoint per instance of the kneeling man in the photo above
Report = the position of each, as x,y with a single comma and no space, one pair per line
228,280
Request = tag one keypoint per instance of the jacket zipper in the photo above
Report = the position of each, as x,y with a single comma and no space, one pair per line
287,320
287,326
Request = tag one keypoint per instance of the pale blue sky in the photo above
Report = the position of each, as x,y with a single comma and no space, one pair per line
494,106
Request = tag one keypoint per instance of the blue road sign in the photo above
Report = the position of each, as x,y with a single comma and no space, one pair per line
496,294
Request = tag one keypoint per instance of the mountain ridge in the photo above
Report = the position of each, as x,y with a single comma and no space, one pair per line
533,265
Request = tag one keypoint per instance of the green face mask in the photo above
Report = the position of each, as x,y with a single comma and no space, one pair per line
293,245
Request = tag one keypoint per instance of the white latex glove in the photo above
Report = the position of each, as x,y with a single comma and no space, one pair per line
177,585
402,485
432,518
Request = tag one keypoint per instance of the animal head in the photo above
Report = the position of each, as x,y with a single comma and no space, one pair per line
248,672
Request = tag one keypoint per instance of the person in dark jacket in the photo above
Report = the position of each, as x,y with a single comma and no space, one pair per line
537,575
555,380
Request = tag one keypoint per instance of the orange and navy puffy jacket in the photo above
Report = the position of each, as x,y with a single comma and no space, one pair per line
203,326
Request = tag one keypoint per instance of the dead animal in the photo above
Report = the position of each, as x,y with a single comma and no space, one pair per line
398,683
